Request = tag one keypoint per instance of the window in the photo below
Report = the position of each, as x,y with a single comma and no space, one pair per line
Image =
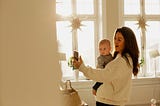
143,16
78,28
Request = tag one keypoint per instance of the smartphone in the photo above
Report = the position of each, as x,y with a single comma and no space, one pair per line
75,55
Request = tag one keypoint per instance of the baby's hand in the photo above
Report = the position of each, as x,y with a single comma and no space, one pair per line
94,92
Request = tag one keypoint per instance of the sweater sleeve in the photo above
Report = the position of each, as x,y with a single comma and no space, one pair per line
111,72
104,75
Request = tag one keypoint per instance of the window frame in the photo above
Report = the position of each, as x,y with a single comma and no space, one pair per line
100,27
152,17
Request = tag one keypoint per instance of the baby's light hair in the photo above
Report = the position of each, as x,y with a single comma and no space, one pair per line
104,41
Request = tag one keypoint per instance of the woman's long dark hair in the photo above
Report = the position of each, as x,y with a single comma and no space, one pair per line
131,47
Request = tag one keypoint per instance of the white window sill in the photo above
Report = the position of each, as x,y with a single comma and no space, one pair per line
80,84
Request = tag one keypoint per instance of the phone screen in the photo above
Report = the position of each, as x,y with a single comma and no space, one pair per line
75,55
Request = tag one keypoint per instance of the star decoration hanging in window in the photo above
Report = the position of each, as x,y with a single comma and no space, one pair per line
76,23
142,23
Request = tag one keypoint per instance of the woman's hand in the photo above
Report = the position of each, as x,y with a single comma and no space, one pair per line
78,63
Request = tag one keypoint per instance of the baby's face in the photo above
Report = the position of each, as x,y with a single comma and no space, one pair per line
104,49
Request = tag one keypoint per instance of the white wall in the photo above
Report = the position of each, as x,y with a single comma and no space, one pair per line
29,70
111,18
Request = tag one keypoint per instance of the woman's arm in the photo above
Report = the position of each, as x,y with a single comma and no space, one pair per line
113,70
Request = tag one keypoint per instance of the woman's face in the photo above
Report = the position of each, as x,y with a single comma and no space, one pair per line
119,42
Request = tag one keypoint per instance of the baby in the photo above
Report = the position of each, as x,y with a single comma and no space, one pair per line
104,58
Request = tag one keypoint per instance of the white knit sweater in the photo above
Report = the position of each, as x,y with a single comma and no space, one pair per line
116,78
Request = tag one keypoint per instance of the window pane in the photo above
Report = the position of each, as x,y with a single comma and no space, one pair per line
153,33
131,7
63,7
85,6
152,40
69,40
65,46
86,43
152,6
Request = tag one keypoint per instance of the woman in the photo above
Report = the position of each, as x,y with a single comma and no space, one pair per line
117,75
